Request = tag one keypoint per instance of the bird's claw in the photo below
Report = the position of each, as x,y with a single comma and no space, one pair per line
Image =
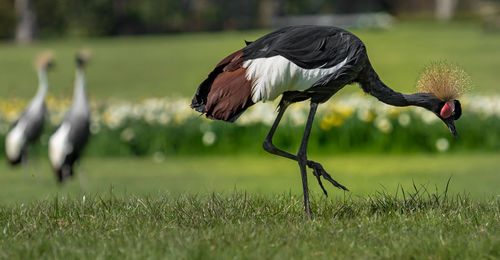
319,171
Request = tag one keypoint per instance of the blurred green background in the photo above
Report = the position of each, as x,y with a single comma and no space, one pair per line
144,66
164,49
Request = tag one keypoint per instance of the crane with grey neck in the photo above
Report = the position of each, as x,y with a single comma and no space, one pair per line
29,126
69,139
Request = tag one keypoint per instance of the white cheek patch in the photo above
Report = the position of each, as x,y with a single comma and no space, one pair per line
274,75
59,147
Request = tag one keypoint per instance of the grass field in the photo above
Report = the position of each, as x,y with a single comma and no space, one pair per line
249,226
474,174
250,207
132,68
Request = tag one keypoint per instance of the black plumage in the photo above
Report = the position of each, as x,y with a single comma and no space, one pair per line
326,58
307,46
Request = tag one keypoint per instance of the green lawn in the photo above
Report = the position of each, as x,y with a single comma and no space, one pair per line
241,225
249,207
136,67
475,174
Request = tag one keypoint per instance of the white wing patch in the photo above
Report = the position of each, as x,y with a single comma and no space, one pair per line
59,147
15,140
274,75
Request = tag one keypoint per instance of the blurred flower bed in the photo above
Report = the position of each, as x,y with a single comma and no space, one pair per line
160,127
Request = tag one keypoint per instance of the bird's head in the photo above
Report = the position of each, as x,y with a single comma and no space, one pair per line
44,60
449,112
82,57
444,83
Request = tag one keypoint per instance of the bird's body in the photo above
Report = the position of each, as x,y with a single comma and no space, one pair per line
299,63
68,141
28,127
300,59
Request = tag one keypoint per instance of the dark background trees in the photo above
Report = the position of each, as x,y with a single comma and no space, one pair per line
49,18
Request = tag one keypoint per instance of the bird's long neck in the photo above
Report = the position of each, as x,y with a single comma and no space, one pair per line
371,84
80,96
43,84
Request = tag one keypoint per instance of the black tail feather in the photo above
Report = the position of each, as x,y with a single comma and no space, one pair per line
199,101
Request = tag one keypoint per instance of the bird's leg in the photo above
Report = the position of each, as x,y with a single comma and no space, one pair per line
268,142
317,167
65,173
302,157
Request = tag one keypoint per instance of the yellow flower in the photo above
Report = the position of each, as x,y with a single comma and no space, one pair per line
366,115
346,112
324,125
330,121
179,118
383,124
106,117
394,112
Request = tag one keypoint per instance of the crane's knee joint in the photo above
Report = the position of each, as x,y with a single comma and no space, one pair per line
268,146
302,158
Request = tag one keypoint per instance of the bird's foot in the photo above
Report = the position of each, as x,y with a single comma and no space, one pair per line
319,171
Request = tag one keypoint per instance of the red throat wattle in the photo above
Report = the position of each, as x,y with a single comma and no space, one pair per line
447,109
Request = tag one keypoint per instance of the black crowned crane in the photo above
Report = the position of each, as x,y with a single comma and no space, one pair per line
68,141
303,63
27,129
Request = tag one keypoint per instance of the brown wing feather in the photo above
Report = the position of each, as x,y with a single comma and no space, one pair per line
226,93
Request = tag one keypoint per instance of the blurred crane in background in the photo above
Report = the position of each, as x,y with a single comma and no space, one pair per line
28,128
68,141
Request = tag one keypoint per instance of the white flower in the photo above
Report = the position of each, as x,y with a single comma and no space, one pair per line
95,127
163,119
383,124
56,118
127,134
365,115
158,157
442,144
297,115
426,116
404,119
259,113
208,138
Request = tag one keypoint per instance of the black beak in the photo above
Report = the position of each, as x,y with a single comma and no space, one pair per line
450,123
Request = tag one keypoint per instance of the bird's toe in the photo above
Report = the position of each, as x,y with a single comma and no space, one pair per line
318,171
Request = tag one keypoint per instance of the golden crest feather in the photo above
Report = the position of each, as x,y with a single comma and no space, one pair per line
447,81
44,59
